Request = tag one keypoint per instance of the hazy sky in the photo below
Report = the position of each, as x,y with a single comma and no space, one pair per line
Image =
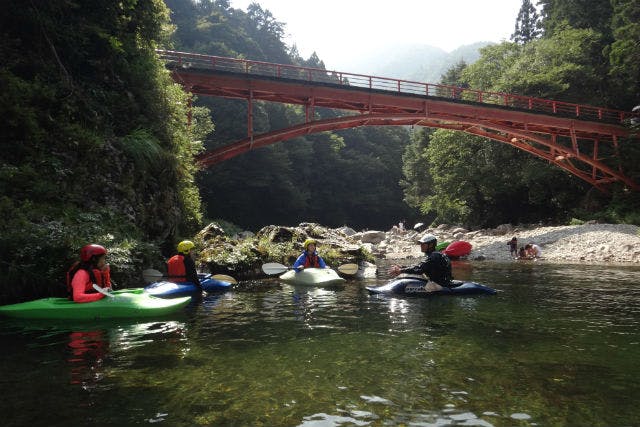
339,29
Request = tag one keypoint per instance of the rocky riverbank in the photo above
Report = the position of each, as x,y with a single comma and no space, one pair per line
243,254
617,243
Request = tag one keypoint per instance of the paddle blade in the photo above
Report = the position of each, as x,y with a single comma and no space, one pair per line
150,275
224,278
348,269
274,268
102,290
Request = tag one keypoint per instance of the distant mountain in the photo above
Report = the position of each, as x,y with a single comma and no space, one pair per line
421,63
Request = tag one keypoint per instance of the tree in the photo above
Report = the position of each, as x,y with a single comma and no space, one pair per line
567,65
96,146
580,14
528,24
624,53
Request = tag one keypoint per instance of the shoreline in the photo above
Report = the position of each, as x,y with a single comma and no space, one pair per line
575,244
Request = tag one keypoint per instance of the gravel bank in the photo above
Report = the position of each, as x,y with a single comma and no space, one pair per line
615,243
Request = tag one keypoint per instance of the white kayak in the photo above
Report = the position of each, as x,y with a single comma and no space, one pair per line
312,277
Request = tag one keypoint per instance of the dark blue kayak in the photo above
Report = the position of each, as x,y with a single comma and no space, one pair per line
416,287
173,290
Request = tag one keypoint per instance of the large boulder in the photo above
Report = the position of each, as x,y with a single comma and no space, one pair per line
243,257
211,231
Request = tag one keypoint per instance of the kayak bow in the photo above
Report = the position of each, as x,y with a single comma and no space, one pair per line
124,304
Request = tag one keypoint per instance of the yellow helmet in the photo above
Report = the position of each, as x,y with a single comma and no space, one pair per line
185,246
309,242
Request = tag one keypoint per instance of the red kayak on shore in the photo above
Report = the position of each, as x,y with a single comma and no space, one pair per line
457,249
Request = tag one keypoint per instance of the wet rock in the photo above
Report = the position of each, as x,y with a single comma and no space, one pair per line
211,231
370,236
277,234
503,229
347,231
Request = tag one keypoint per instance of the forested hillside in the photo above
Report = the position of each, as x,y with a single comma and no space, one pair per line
583,51
96,145
334,178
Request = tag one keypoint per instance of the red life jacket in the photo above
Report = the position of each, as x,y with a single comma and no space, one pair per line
100,277
176,269
311,261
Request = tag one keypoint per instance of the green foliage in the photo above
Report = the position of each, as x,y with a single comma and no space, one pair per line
581,14
624,52
481,183
334,178
95,144
564,66
528,24
143,149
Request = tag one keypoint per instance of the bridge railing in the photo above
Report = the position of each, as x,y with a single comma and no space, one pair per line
317,75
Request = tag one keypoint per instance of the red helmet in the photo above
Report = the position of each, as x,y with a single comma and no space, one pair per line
89,251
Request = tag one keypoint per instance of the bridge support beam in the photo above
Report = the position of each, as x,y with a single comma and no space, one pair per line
566,156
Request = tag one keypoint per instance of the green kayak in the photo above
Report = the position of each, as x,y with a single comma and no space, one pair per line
125,303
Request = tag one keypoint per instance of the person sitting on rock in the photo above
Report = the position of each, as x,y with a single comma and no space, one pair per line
436,265
533,250
309,258
522,253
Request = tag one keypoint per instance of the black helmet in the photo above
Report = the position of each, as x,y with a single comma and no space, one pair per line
428,238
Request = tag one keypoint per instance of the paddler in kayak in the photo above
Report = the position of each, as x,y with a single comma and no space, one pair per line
91,269
182,267
436,265
309,258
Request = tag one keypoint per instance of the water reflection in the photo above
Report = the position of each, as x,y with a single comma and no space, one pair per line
87,351
307,301
556,346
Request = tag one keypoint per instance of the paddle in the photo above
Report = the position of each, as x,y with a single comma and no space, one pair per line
413,276
277,268
102,290
151,275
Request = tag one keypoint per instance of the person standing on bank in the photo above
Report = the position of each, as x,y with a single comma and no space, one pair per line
91,269
182,267
513,247
309,258
436,265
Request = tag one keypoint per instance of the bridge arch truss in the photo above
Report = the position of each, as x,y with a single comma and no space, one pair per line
583,140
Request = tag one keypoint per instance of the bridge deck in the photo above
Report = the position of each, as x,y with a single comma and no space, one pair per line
582,139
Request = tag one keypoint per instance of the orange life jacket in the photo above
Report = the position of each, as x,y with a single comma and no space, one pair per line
311,261
176,269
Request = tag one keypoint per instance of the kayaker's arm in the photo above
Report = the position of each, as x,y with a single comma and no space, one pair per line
79,286
416,269
321,262
299,264
190,271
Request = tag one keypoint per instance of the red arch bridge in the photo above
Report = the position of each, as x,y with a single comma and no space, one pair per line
582,139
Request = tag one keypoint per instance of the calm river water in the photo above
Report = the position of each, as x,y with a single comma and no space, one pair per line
558,346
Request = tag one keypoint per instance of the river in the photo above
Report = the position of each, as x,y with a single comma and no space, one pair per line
557,346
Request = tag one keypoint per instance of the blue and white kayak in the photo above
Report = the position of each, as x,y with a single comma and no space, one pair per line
166,289
420,288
